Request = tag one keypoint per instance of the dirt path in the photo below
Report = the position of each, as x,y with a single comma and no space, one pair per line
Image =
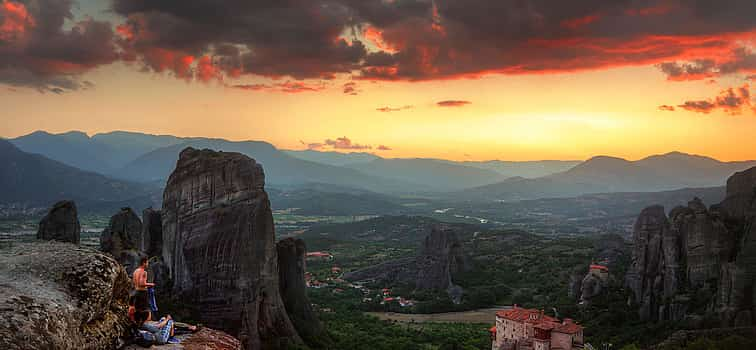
473,316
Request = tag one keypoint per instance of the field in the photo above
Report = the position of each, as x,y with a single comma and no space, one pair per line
473,316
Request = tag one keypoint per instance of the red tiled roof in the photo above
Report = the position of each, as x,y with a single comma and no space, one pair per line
492,329
524,315
569,328
599,267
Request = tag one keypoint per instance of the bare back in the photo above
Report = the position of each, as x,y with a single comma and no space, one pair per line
140,279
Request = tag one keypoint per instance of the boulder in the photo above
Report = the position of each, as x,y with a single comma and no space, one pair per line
291,271
121,238
79,301
61,223
219,246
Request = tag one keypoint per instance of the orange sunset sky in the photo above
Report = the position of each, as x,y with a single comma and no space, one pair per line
474,80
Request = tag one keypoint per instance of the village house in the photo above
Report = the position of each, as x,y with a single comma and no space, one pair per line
600,271
528,329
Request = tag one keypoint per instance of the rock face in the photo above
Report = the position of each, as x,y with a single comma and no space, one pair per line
439,256
77,302
291,270
219,245
706,253
61,223
151,240
121,238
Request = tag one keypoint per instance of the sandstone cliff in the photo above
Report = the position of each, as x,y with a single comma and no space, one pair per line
219,245
291,271
79,301
699,253
61,223
121,238
438,257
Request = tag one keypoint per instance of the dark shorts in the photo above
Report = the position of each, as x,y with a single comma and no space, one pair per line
141,300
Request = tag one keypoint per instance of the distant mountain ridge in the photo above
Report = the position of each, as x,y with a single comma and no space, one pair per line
604,174
34,180
148,158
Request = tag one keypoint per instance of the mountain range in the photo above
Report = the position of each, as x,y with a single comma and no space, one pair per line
134,157
34,180
603,174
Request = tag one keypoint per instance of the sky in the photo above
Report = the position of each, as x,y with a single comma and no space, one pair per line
454,79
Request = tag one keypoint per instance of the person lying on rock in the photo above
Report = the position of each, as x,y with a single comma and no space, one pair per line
162,330
143,290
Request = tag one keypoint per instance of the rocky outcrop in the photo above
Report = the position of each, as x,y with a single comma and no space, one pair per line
291,271
151,240
61,223
698,252
121,238
590,287
205,339
219,245
440,255
60,296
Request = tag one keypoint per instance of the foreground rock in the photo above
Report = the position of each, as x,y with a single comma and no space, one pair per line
698,254
121,238
61,223
60,296
205,339
219,246
439,256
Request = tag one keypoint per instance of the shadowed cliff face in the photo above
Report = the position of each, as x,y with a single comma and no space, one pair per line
698,251
219,244
61,223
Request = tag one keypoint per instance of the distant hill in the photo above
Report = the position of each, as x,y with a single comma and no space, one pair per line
280,168
333,158
101,153
609,174
328,200
438,174
526,169
34,180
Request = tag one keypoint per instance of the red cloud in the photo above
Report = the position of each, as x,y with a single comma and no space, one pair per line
667,108
15,20
384,148
731,101
453,103
350,88
340,143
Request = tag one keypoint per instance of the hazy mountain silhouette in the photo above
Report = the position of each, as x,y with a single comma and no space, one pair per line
280,168
526,169
438,174
610,174
34,180
101,153
333,158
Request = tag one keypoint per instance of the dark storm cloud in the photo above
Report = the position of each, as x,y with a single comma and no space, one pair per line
411,40
38,51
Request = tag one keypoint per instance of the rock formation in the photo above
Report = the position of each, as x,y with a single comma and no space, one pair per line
205,339
61,223
706,253
291,270
60,296
121,238
439,256
219,245
151,240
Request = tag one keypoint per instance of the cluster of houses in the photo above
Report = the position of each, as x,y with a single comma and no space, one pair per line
528,329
